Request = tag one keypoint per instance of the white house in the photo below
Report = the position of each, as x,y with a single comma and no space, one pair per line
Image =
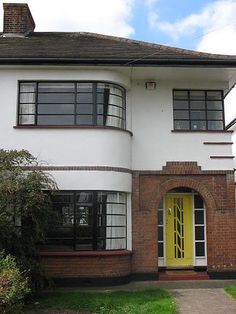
134,135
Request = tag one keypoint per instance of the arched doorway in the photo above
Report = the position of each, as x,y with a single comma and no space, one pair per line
182,229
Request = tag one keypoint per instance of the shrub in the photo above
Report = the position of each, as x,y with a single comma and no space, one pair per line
13,285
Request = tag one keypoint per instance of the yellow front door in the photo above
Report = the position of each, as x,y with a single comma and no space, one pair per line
179,230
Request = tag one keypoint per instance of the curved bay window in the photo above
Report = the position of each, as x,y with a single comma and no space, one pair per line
71,103
88,220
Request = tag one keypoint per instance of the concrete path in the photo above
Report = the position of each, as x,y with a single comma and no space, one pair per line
204,301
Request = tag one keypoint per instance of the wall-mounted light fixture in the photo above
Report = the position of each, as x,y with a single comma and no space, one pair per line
150,85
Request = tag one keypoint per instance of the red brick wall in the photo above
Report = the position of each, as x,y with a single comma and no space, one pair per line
87,265
218,191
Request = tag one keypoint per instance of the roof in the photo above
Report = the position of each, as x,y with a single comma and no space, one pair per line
96,49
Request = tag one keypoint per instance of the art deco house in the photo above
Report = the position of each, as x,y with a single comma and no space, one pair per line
134,135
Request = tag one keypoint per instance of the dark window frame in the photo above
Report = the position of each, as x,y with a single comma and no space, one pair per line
94,115
205,110
95,218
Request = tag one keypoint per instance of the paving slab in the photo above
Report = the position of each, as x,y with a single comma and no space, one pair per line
204,301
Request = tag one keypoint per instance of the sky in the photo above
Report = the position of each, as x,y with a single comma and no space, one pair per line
203,25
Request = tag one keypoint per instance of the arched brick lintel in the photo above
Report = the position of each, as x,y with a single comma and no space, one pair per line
170,184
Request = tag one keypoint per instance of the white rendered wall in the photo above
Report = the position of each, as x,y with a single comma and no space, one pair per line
154,143
149,117
66,147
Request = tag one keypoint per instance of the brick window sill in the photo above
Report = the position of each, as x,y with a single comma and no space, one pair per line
88,253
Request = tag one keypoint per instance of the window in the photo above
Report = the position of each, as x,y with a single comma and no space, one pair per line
71,103
88,220
198,110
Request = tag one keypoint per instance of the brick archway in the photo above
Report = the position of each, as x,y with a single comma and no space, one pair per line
170,184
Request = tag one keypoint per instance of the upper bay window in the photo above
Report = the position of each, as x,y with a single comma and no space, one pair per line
71,103
198,110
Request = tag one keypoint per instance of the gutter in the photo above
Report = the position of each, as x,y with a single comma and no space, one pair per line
119,62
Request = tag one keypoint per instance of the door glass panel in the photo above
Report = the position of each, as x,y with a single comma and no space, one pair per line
199,232
160,217
200,249
199,217
160,249
198,201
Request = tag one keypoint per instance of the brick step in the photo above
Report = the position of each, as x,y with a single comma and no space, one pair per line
183,275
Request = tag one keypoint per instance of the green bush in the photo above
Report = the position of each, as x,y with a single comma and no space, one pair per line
13,286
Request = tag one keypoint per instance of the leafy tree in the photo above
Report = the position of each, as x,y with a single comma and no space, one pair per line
25,208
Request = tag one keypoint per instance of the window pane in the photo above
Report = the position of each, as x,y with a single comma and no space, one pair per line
200,249
84,216
215,115
56,109
56,87
84,119
55,120
114,220
198,125
199,232
116,209
84,98
214,95
27,97
27,87
180,104
115,100
56,98
84,197
194,94
201,115
181,125
115,232
215,105
199,217
113,121
181,114
84,109
180,94
115,111
197,104
215,125
63,197
100,109
85,87
26,119
26,108
115,244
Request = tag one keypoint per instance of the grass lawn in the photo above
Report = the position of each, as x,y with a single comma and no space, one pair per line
231,290
138,301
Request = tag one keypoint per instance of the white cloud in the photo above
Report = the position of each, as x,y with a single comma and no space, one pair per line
100,16
216,23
